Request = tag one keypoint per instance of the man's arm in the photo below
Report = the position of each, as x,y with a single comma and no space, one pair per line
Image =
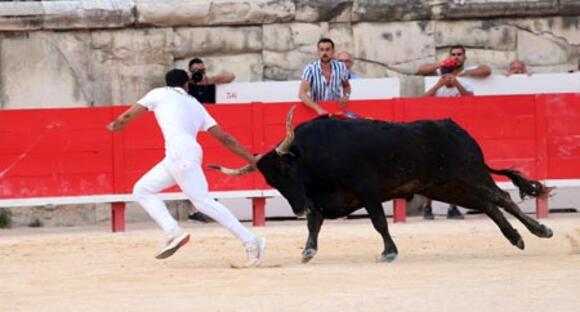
480,71
303,95
123,119
223,77
345,94
461,89
428,69
431,92
232,144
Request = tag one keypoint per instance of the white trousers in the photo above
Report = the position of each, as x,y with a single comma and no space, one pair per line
182,166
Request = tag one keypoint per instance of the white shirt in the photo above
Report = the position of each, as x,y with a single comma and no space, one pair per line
177,113
444,91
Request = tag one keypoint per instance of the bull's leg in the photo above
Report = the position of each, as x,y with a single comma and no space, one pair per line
506,228
476,197
315,220
530,223
377,215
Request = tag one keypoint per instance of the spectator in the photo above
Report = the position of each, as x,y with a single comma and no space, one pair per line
448,85
346,58
517,67
201,86
458,53
325,79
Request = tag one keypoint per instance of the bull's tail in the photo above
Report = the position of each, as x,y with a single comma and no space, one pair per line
527,187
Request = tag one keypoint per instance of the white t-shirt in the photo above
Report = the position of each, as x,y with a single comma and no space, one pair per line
444,91
178,113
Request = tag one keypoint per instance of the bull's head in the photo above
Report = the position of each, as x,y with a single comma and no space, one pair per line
281,169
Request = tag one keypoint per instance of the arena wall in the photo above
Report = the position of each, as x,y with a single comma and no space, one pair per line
97,53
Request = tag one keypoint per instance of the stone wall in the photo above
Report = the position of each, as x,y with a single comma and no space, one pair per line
102,52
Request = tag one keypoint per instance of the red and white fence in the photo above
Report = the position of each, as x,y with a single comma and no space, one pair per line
66,155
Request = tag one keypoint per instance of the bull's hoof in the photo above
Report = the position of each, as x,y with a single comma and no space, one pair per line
546,232
388,257
308,254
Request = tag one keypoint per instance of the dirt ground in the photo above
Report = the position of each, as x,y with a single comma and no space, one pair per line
443,266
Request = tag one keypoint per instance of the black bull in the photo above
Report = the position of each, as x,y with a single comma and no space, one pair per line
329,167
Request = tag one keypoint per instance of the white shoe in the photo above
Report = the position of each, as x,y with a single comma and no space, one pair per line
173,245
255,252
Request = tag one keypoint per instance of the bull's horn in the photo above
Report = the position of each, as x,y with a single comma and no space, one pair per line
232,172
285,145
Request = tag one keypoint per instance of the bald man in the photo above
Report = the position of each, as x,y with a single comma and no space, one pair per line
517,67
346,58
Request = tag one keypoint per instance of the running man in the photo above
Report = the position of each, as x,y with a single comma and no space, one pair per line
181,117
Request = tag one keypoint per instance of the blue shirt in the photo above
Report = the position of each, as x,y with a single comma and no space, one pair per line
320,90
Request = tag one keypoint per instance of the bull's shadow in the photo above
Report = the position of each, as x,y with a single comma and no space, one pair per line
329,167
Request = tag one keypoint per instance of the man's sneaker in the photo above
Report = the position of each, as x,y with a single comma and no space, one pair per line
173,245
255,252
428,213
454,213
198,216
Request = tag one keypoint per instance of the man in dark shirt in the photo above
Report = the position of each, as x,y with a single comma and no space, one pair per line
202,86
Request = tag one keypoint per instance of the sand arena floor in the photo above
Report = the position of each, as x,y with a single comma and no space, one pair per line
443,266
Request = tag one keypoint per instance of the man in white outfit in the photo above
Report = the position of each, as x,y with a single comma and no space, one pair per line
181,117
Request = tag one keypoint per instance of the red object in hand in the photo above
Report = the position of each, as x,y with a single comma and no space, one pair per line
449,63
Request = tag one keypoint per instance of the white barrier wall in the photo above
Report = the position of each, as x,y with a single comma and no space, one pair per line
287,91
520,84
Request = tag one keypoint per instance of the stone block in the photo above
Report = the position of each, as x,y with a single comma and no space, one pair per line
88,14
499,8
566,28
403,45
324,11
305,34
126,64
570,7
194,41
45,69
543,50
286,65
392,10
277,37
236,12
21,16
486,34
173,12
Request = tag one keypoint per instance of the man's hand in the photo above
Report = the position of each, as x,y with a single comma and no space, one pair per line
321,111
343,101
130,114
112,126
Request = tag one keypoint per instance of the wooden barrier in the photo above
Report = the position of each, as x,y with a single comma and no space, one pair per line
68,153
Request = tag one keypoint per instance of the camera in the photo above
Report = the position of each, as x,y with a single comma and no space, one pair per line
197,75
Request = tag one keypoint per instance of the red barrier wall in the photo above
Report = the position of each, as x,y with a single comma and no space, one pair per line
64,152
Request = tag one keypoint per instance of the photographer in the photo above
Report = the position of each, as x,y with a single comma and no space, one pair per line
201,86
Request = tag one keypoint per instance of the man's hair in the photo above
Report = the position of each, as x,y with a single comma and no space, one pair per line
457,47
196,60
325,40
176,78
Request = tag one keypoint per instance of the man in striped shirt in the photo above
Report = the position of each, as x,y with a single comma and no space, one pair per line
325,79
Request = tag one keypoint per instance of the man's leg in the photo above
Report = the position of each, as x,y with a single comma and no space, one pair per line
193,183
145,192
